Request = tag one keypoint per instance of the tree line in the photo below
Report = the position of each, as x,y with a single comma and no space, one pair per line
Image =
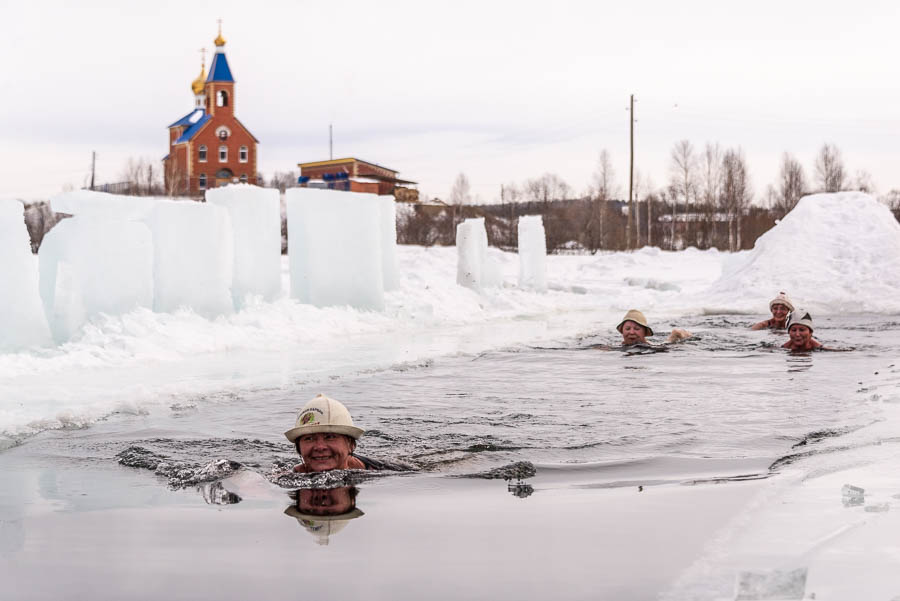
707,202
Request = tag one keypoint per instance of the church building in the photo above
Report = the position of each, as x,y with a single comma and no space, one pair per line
209,147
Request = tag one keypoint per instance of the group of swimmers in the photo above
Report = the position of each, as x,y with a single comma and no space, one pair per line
635,329
325,436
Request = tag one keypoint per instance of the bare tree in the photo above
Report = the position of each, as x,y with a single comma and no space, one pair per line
737,193
284,179
461,192
710,190
791,184
510,193
599,194
830,173
547,188
863,182
683,180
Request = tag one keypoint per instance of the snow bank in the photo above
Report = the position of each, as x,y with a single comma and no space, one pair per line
22,321
833,253
256,226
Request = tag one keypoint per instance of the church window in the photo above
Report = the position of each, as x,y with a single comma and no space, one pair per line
221,98
202,182
223,154
243,178
202,153
243,154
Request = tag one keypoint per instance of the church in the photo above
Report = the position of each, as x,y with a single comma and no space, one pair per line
209,147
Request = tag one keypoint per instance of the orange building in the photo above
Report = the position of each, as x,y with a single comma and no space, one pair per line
354,175
209,147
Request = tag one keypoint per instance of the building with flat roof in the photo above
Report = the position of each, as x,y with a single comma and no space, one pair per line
353,175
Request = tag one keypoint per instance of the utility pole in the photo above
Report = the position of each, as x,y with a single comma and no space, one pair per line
93,166
631,218
330,143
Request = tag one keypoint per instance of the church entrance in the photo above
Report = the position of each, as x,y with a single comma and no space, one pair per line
224,177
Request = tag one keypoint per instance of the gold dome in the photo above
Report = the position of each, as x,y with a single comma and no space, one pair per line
198,84
219,41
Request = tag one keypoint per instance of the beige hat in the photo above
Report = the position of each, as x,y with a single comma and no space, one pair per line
800,317
323,414
781,299
638,318
322,527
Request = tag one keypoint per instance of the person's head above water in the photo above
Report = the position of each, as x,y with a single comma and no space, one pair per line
325,436
780,306
634,328
800,330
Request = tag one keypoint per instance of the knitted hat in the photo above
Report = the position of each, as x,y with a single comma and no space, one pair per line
800,317
781,299
638,318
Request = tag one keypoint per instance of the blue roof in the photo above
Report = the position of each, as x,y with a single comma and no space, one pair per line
189,119
218,70
192,130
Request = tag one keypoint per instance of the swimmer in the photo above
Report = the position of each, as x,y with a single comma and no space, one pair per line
325,437
780,306
634,330
800,329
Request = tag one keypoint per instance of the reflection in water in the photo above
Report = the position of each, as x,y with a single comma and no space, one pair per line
324,512
799,361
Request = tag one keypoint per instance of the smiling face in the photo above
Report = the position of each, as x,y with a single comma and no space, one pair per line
325,451
800,335
779,312
633,333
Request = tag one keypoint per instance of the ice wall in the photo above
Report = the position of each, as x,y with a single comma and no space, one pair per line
832,253
22,321
192,257
91,265
389,268
475,268
256,226
103,205
337,247
532,253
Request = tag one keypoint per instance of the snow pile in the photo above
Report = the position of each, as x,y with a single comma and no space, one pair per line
337,248
256,225
22,321
532,253
833,253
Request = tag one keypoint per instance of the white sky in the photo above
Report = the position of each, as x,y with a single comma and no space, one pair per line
502,91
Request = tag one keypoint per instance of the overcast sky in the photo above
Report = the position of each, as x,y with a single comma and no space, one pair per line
500,91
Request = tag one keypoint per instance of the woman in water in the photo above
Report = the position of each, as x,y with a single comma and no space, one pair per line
780,306
800,330
634,330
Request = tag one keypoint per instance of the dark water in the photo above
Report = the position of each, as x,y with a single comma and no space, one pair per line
729,400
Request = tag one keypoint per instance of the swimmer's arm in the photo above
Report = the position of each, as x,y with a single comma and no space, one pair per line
760,326
677,335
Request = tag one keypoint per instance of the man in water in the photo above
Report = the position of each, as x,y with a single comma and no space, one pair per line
780,306
634,330
800,329
325,437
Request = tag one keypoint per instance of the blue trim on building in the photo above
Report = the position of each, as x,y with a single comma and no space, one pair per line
186,120
218,70
192,131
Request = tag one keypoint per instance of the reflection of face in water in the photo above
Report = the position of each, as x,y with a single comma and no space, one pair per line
324,512
326,501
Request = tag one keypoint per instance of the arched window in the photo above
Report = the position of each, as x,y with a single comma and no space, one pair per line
202,183
223,154
202,153
243,154
243,178
221,98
